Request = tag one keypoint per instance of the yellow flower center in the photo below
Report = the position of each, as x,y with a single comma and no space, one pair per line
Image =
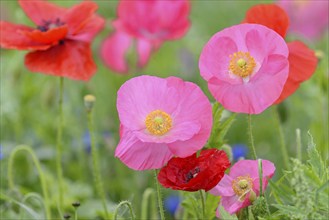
158,122
241,186
242,64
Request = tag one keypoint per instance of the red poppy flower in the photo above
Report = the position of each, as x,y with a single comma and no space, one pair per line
195,173
302,60
60,42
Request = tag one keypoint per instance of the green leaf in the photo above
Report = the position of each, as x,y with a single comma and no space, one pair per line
225,215
211,206
315,159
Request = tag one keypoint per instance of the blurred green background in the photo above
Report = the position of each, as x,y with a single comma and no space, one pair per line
29,110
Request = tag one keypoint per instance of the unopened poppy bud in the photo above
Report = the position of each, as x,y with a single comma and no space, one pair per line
67,216
89,102
76,204
319,54
252,196
228,150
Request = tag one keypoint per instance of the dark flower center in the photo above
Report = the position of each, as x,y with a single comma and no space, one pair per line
192,173
49,24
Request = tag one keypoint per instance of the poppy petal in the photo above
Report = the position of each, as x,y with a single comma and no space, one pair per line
302,61
144,49
70,59
269,15
113,51
302,65
40,11
77,16
94,25
52,36
13,36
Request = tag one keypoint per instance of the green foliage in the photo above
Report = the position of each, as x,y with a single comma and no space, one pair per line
221,125
308,194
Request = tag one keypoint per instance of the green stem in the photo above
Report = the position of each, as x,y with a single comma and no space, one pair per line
59,145
260,174
251,138
299,144
283,148
41,175
122,204
148,193
202,204
162,217
96,170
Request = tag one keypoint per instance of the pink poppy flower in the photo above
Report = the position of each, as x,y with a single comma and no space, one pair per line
148,24
308,18
246,67
161,118
242,183
114,50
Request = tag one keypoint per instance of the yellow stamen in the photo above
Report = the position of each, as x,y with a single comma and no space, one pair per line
158,122
242,64
241,186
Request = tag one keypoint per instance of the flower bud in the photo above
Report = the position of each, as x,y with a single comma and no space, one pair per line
228,150
89,102
76,204
252,196
67,216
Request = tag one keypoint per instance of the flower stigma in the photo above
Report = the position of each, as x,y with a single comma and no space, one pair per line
241,186
242,64
158,122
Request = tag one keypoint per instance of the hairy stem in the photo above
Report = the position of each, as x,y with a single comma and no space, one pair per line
159,195
59,145
283,148
251,138
202,204
96,170
128,204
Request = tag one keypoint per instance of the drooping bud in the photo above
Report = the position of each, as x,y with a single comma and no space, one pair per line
76,204
228,150
89,102
252,196
67,216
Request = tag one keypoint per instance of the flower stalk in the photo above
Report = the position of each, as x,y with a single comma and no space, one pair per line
128,204
251,138
59,145
89,102
158,189
283,148
202,204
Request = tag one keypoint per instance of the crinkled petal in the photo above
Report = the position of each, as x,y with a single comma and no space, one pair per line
231,204
144,94
138,155
13,36
179,132
78,16
52,36
215,58
40,11
223,188
269,15
302,61
114,50
89,30
250,167
70,59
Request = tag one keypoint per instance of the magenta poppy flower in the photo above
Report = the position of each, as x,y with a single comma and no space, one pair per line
242,183
308,18
246,67
161,118
59,44
114,50
148,24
